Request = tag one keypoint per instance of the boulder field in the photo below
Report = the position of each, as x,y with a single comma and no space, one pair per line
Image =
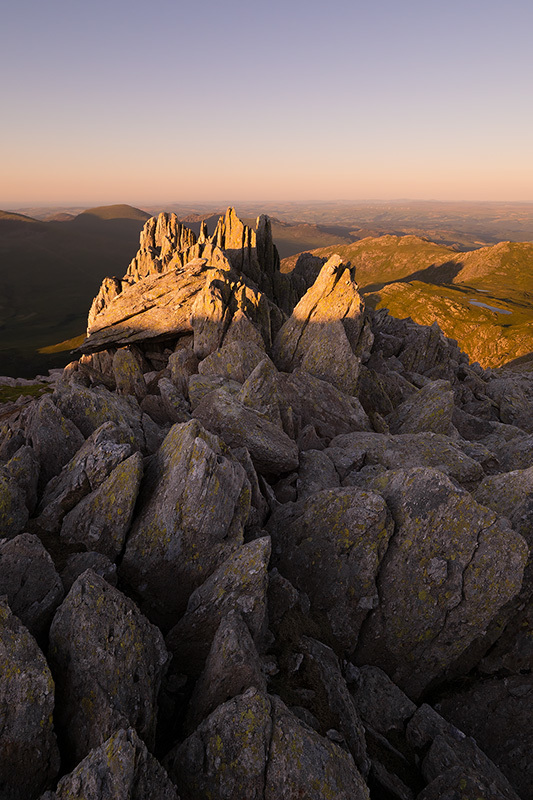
259,542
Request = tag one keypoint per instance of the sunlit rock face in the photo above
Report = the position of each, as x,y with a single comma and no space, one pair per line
256,530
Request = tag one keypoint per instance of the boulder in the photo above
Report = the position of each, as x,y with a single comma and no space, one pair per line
253,746
107,447
30,582
101,520
232,667
128,375
379,702
239,584
182,364
271,450
234,361
511,495
23,467
316,472
13,509
330,546
437,581
108,662
192,508
55,438
29,758
77,563
328,319
430,409
120,769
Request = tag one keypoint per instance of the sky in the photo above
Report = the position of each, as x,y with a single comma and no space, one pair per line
121,101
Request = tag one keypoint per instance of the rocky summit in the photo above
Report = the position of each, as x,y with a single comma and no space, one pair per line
262,542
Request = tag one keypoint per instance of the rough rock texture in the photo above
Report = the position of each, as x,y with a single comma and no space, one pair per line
13,509
330,546
101,520
53,438
108,661
430,409
120,769
30,582
253,746
29,758
239,584
193,505
451,564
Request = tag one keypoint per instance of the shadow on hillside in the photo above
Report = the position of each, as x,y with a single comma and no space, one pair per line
436,274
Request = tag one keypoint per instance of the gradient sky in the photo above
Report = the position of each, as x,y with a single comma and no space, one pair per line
122,101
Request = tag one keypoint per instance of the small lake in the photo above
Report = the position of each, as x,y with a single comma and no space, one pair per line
491,308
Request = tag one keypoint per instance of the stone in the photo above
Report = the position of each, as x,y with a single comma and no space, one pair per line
239,584
182,364
77,563
271,450
29,580
108,662
174,404
430,409
316,472
511,495
234,361
29,758
232,667
192,508
13,509
102,519
328,318
320,404
90,408
202,385
85,472
332,703
53,437
120,769
253,746
379,702
330,546
128,375
451,565
23,467
404,451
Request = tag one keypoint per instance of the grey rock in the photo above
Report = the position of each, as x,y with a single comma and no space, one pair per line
128,374
29,758
201,385
77,563
29,580
316,472
438,581
193,506
120,769
330,546
239,584
174,403
404,451
232,666
254,747
271,450
85,472
90,408
511,495
108,662
54,438
379,702
333,703
458,782
234,361
13,509
430,409
23,467
101,520
182,364
502,728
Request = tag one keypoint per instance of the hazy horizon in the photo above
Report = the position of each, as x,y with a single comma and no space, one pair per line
298,101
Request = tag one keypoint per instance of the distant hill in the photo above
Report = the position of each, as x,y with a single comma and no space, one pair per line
483,298
115,212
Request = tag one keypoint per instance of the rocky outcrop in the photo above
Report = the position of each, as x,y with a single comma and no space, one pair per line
326,513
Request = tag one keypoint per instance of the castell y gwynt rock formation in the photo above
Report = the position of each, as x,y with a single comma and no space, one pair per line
258,542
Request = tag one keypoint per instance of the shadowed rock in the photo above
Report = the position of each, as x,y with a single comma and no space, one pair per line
193,506
29,758
108,661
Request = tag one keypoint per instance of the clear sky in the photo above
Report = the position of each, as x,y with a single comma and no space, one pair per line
122,101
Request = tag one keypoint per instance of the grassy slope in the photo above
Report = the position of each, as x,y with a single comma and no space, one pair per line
415,278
